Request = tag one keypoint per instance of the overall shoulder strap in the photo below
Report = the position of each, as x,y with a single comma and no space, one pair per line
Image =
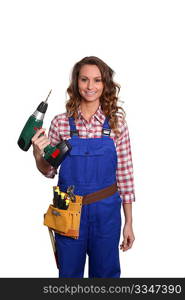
106,130
73,131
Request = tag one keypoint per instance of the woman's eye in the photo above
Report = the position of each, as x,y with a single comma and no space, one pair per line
84,79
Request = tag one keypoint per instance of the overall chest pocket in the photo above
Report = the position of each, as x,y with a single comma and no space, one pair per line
87,164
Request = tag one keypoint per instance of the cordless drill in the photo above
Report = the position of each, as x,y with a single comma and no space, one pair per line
54,155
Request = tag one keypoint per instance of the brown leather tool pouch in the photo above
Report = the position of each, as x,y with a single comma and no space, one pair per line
65,222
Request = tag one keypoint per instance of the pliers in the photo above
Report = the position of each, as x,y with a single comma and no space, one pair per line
70,192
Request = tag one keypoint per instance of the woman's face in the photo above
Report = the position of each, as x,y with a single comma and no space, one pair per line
90,84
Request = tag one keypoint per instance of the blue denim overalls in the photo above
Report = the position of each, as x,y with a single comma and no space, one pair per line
91,166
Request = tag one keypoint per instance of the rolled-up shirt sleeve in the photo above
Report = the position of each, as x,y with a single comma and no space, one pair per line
53,136
124,172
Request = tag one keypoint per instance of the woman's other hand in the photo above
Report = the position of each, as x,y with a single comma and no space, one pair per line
128,237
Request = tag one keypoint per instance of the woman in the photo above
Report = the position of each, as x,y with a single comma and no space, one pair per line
100,158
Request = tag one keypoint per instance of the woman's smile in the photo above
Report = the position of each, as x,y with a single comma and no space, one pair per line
90,93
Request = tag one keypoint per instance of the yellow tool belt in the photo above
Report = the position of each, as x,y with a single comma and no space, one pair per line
67,222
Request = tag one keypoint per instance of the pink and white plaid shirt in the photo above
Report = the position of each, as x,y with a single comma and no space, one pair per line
60,130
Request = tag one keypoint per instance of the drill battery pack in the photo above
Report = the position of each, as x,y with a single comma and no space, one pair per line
65,221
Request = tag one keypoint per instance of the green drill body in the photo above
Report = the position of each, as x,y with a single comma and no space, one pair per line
54,154
29,131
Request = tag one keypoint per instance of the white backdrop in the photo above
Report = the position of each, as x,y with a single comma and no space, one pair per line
143,42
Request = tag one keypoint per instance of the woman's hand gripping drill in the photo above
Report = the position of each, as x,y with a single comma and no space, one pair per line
39,142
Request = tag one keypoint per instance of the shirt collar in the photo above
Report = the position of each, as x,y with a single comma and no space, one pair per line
99,115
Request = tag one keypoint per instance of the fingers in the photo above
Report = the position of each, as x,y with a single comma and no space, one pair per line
38,132
43,145
39,142
127,243
124,246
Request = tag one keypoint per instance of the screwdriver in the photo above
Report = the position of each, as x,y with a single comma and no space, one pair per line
61,203
66,202
56,196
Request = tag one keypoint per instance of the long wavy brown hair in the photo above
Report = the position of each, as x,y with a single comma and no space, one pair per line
108,99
